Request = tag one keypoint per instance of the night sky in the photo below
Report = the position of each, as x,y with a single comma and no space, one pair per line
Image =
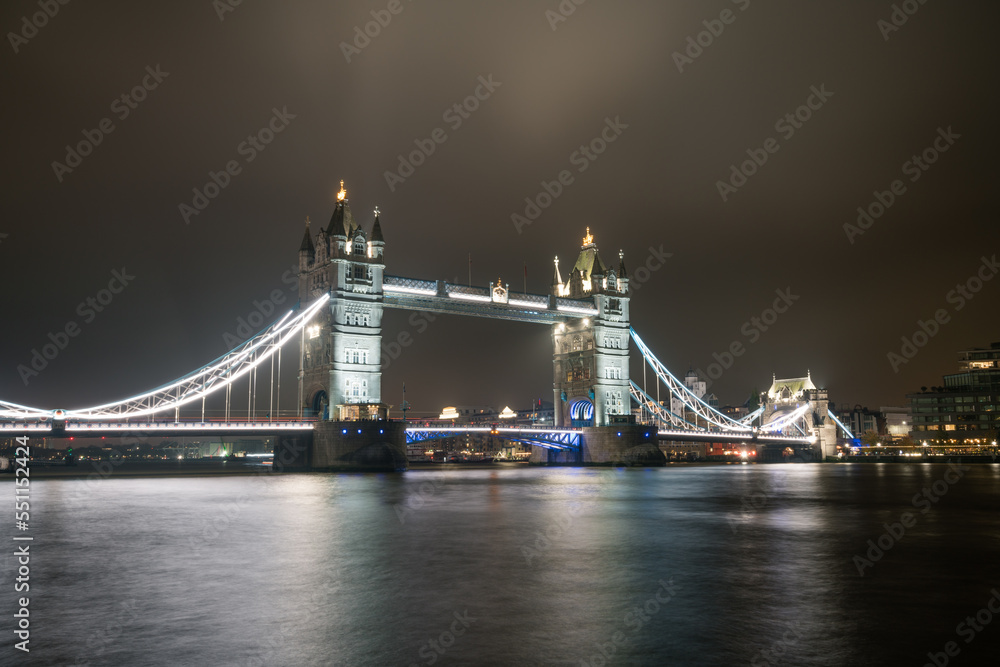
216,77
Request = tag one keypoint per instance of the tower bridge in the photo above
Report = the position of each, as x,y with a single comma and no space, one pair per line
343,421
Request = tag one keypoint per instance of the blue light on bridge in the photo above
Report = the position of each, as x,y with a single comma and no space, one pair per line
581,411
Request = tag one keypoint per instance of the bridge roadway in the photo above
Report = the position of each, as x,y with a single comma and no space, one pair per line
552,438
568,438
172,428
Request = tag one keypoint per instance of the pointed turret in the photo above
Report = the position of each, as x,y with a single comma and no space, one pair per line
307,241
376,243
376,235
307,251
342,222
622,273
556,277
336,226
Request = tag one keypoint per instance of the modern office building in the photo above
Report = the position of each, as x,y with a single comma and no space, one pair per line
966,408
978,359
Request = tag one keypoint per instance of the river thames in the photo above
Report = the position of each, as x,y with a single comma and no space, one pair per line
683,565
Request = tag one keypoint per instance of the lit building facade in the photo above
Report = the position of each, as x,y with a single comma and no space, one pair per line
861,420
340,373
591,354
791,394
898,421
967,406
978,359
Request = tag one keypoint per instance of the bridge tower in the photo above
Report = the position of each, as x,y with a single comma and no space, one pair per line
340,377
591,354
787,395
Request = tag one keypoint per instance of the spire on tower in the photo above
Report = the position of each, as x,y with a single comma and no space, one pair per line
556,278
588,239
622,272
342,222
307,242
376,236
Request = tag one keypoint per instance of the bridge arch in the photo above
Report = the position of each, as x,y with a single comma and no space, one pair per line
581,411
319,404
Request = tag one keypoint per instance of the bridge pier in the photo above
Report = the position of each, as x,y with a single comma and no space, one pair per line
623,444
767,453
348,446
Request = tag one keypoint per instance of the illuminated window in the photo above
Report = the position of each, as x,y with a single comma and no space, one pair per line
357,390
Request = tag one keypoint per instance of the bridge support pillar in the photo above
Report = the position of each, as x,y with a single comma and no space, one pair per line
826,441
621,444
351,446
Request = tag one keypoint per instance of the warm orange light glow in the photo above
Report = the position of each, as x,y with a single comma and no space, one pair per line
342,195
589,238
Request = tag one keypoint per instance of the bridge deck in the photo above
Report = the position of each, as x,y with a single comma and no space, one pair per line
442,297
546,437
99,429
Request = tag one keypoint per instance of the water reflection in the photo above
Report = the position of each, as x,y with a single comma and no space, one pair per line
510,566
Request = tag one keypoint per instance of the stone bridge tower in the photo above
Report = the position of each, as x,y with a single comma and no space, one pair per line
591,354
340,376
787,395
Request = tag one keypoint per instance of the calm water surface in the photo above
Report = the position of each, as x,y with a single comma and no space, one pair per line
686,565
